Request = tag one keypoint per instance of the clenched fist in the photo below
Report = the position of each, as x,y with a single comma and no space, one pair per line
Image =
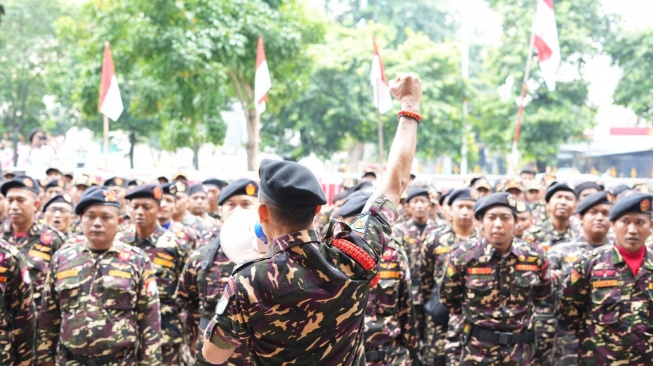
407,89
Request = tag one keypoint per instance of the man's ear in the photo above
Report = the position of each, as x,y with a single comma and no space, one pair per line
263,214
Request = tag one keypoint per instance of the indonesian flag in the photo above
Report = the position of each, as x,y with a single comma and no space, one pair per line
110,100
382,100
545,40
262,82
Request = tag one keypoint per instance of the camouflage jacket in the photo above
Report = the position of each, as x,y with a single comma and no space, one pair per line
168,256
305,302
434,253
411,240
609,309
564,255
199,290
17,311
546,236
494,291
185,234
390,316
37,247
539,212
99,304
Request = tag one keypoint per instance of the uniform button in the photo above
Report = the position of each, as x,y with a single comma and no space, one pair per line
379,200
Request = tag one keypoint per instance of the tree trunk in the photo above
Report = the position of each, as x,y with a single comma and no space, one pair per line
14,144
196,158
132,144
253,140
355,156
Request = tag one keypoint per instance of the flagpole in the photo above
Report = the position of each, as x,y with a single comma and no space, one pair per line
514,161
379,123
106,142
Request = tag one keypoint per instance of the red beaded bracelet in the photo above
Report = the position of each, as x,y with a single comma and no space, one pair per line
412,115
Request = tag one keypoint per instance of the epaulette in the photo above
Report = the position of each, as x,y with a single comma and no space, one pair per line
241,266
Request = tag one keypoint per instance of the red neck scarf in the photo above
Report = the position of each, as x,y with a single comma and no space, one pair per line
633,260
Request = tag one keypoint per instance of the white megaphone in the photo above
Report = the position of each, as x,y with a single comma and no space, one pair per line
242,238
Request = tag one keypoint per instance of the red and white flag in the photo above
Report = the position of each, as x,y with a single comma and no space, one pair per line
545,40
382,100
262,82
110,101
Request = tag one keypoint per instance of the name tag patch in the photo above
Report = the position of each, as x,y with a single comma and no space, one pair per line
122,274
442,250
67,273
389,274
36,253
479,271
604,283
526,267
163,262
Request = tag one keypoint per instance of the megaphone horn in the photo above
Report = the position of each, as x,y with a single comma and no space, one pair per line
239,236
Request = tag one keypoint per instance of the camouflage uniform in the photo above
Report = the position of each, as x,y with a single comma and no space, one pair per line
547,237
17,319
168,256
610,310
200,287
390,332
434,255
409,237
496,296
37,247
100,306
539,212
185,234
305,302
563,256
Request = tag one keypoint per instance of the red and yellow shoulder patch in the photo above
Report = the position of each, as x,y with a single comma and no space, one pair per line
526,267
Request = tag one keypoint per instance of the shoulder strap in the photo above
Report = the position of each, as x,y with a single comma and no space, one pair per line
205,265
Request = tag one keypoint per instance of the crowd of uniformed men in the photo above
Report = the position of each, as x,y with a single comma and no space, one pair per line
514,272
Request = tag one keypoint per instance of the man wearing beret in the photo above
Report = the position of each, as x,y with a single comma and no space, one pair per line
594,212
391,337
442,348
533,195
561,202
118,185
181,214
410,236
168,256
213,186
58,214
36,241
495,284
198,206
208,270
167,207
304,302
524,218
53,188
100,305
608,297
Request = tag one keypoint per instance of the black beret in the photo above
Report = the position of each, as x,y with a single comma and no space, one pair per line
245,186
52,169
462,194
496,199
354,205
97,196
115,182
151,191
635,203
169,188
55,183
290,185
369,173
181,186
416,191
619,189
63,198
163,179
339,196
215,182
443,199
592,200
586,185
195,189
557,187
365,185
21,181
134,182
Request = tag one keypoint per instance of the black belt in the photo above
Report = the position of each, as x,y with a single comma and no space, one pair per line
382,353
502,338
96,361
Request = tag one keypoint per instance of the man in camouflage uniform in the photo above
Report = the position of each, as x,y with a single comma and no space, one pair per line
433,257
594,211
208,270
100,304
168,256
304,303
181,214
561,202
167,206
524,219
37,242
58,215
495,284
411,234
213,187
198,206
607,300
533,196
118,185
17,312
390,329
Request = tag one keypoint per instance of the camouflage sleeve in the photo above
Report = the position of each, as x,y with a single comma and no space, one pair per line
427,266
452,289
543,289
49,321
187,290
575,296
409,332
228,327
148,317
22,306
375,226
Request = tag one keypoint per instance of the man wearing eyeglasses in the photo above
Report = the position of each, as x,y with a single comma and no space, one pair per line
58,214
